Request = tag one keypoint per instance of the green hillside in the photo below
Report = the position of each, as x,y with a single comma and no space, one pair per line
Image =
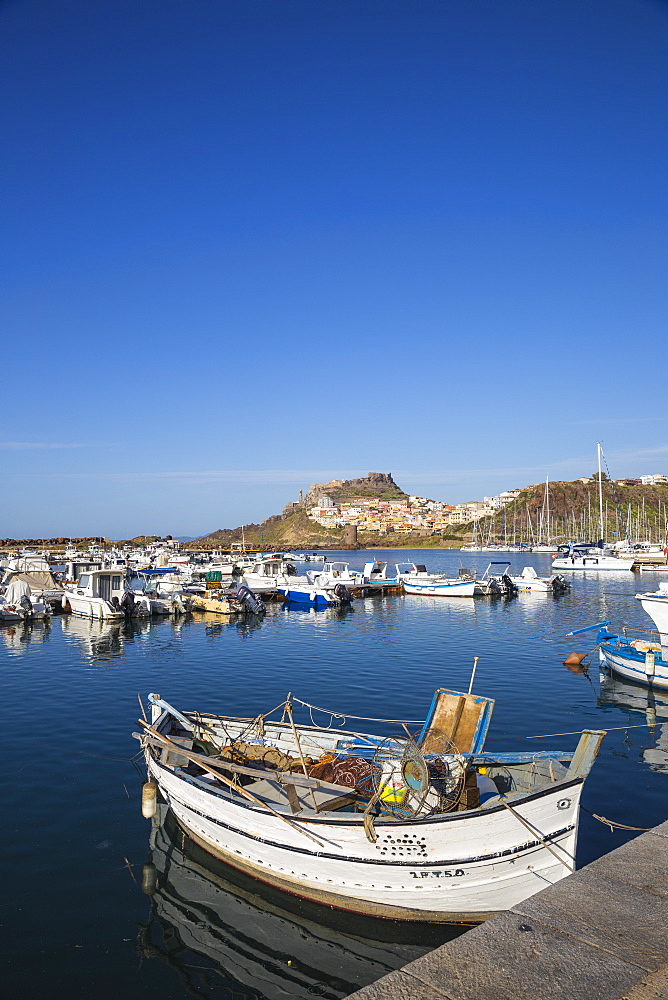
639,512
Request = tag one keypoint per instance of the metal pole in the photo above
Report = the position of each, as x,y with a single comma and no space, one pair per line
475,664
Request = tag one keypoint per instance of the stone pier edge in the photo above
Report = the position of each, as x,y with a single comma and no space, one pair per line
599,934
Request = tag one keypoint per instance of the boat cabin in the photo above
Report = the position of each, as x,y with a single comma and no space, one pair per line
410,569
272,567
374,571
105,584
76,567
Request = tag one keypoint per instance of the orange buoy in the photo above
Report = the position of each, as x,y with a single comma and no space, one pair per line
575,659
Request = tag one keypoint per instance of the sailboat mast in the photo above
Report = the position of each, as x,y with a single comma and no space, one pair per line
600,490
547,502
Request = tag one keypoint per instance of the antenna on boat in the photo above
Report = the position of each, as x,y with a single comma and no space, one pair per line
475,664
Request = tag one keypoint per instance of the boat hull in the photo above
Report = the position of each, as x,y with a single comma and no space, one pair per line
656,606
593,563
310,596
461,867
90,607
651,671
532,586
465,588
10,613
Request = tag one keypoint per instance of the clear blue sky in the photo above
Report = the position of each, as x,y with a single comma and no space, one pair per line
252,244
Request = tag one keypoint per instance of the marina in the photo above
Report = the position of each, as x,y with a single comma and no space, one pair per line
86,837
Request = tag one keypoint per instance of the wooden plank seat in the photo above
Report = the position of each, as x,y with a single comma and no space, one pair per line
297,798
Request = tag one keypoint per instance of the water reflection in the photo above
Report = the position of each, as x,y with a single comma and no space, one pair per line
18,636
462,607
98,639
642,702
243,625
214,928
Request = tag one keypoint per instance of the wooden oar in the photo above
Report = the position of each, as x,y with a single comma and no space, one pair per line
283,777
228,782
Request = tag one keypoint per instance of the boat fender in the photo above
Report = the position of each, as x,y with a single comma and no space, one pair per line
149,878
649,663
149,799
575,659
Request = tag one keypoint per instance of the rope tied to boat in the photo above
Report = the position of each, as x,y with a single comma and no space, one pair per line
614,825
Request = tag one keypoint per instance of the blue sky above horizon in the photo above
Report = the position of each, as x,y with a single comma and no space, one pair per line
247,246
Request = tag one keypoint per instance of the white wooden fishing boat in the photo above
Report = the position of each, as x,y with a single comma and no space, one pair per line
433,829
280,944
644,661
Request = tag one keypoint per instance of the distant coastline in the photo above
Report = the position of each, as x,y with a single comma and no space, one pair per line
557,511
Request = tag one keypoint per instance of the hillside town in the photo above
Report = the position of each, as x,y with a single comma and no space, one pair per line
410,514
404,516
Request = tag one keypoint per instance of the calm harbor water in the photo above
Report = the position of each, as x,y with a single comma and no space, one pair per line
75,922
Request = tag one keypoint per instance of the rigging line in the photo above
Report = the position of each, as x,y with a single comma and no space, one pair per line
612,729
364,718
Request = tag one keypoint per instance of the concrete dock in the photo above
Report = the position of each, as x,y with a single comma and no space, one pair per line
600,934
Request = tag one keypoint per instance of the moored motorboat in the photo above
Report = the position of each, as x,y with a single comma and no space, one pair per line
18,603
228,602
267,575
440,587
594,558
494,582
316,596
529,581
374,576
656,606
331,574
430,828
98,593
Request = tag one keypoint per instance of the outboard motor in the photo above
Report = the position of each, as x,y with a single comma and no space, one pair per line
290,570
249,602
508,584
177,604
128,603
26,605
343,594
115,603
